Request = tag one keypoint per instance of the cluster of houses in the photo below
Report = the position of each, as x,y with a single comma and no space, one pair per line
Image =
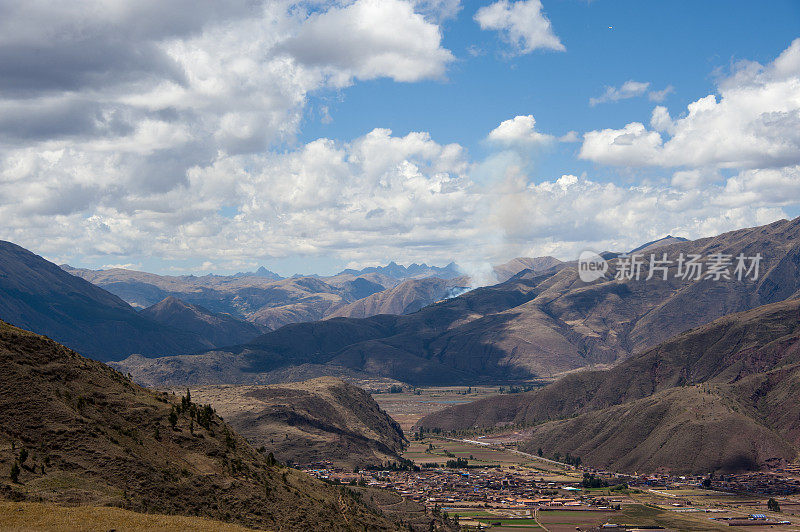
516,488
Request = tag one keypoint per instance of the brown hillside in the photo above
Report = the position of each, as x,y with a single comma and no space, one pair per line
506,271
310,421
405,298
719,397
723,351
691,429
89,436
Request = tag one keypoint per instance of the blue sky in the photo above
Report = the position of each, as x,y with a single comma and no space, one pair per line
254,133
680,44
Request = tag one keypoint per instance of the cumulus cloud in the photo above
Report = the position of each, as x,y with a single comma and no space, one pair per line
165,146
569,214
521,24
369,39
519,130
753,122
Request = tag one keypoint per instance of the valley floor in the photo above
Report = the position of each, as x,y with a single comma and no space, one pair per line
505,490
411,405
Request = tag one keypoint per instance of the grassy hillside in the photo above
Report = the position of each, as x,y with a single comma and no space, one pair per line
309,421
78,432
50,517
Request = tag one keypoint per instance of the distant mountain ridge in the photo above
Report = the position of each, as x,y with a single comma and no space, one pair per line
264,298
412,271
535,324
407,297
38,295
506,271
260,272
213,329
268,300
665,241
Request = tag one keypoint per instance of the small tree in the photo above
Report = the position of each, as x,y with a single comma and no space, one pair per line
773,506
173,418
15,472
23,455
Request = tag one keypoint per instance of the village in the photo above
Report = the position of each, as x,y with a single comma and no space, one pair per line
488,487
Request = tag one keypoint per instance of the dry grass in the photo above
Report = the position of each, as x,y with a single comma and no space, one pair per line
15,516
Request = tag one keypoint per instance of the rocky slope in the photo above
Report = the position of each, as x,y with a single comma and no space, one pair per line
81,433
311,421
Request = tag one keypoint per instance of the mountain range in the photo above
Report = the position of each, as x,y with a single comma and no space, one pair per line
270,301
38,295
536,324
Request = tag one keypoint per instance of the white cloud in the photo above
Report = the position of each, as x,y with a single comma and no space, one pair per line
754,122
522,24
438,10
519,130
572,213
369,39
570,136
629,89
660,96
632,145
115,161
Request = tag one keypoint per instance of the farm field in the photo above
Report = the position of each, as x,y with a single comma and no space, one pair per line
410,406
652,509
420,452
565,520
